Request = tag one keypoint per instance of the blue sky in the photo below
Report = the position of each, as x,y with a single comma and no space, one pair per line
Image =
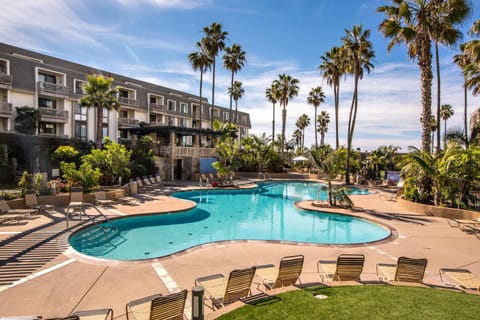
150,40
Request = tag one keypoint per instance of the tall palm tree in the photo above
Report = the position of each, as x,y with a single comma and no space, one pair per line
472,48
463,60
302,123
200,60
233,60
236,92
446,16
333,67
446,112
214,42
433,128
297,137
315,98
323,120
272,96
100,94
287,89
407,21
360,53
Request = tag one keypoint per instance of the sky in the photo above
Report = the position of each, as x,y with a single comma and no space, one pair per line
151,39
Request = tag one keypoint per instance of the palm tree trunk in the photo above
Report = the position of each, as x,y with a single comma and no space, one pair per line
437,63
336,93
200,100
284,122
351,126
316,133
465,94
445,134
425,64
99,127
273,127
322,136
230,112
213,94
235,118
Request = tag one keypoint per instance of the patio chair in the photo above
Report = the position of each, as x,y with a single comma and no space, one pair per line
76,203
31,201
406,270
464,224
221,293
142,185
464,277
21,213
348,267
101,199
287,274
98,314
158,307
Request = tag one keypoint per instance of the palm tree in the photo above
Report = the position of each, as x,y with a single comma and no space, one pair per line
407,22
332,68
233,60
200,60
236,92
446,112
472,49
446,16
297,137
100,94
316,97
303,122
287,89
463,61
360,53
433,128
214,42
323,121
272,96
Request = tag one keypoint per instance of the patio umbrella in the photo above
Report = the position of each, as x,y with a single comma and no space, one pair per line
300,158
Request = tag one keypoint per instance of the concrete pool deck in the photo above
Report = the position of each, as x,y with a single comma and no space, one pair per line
42,275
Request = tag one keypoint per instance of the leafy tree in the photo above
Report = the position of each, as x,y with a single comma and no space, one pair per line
65,153
315,98
287,89
233,60
143,158
100,94
228,160
26,120
30,181
200,60
323,120
85,176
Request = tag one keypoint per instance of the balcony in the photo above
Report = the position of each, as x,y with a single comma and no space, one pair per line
5,80
6,109
52,89
53,135
127,122
157,108
127,101
53,115
193,152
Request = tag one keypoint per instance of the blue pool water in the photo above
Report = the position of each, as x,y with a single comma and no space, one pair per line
264,213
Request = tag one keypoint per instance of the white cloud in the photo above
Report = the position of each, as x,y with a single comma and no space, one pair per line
167,4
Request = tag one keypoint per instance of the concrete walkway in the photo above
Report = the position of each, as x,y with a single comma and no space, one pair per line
41,275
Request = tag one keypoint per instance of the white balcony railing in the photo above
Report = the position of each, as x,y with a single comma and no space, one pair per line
49,114
128,122
53,88
6,108
6,79
194,152
127,101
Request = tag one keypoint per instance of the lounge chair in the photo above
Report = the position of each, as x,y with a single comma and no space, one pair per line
465,278
158,307
99,314
31,201
26,213
348,267
287,274
406,270
222,292
463,224
142,185
101,199
76,203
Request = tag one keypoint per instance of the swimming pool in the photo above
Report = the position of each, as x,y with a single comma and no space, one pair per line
264,213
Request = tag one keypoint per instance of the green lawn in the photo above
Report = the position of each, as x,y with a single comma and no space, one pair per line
363,302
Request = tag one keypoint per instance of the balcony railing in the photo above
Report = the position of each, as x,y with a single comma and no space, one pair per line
6,79
128,122
53,135
194,152
52,88
53,115
6,108
127,101
154,107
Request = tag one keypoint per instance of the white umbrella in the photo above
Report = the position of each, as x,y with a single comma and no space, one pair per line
300,158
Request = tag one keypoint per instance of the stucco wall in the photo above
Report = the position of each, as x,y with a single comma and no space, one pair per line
450,213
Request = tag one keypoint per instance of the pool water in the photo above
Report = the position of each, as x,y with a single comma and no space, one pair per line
264,213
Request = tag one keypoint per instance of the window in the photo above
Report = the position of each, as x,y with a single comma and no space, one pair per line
182,122
105,115
156,100
105,131
171,120
244,120
47,128
80,112
171,105
81,131
47,78
122,93
3,67
216,113
79,86
47,103
225,116
183,107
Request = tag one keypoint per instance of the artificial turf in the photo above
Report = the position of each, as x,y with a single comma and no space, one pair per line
363,302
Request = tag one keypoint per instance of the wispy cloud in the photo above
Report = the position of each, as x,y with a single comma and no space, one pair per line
167,4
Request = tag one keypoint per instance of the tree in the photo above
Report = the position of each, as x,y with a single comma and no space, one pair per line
287,89
303,122
100,94
446,15
200,60
236,92
315,98
433,128
26,120
408,22
272,96
214,43
464,61
332,68
323,121
360,53
297,137
446,112
233,60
